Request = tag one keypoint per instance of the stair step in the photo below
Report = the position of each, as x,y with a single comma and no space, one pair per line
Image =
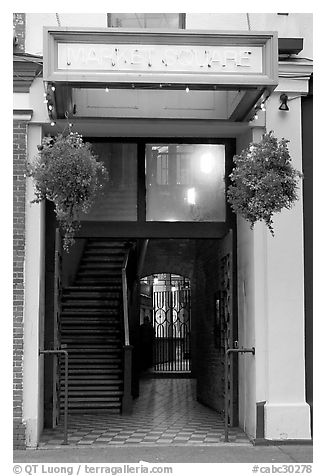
106,390
89,312
108,250
83,340
90,295
109,273
91,331
113,339
113,283
100,264
101,371
102,349
92,411
95,368
90,304
95,396
94,380
93,360
84,288
122,246
86,404
105,259
89,325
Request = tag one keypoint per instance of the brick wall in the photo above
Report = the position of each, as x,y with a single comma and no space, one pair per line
19,28
19,160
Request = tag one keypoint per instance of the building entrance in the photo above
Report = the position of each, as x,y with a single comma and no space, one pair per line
131,253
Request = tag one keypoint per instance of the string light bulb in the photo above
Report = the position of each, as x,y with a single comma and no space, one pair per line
52,123
107,90
187,89
53,88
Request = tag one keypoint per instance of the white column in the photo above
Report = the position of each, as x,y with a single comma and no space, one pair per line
287,415
34,305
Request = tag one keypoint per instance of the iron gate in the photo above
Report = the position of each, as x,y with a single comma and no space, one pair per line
171,351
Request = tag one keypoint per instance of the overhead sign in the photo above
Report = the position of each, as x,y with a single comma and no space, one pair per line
92,57
160,58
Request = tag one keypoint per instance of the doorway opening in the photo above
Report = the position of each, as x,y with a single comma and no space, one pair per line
165,324
177,291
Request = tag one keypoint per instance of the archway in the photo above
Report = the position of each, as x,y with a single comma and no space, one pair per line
165,323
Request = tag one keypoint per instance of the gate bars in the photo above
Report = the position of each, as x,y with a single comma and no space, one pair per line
172,330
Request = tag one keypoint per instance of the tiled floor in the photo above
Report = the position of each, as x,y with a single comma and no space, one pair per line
165,413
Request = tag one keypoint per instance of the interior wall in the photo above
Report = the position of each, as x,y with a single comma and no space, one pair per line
209,368
70,262
170,256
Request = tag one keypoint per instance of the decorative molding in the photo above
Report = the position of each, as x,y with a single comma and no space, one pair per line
25,69
201,58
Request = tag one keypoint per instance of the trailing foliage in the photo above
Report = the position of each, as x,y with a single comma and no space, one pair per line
263,181
67,173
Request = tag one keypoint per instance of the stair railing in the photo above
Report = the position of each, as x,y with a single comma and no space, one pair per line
127,371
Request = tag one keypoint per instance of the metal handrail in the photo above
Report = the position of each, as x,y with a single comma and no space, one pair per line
65,422
235,350
125,298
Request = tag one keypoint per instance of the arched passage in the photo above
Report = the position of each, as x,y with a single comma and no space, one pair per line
165,323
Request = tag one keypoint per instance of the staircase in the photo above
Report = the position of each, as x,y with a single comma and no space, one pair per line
91,330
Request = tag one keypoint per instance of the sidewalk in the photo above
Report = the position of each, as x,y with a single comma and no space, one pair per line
222,453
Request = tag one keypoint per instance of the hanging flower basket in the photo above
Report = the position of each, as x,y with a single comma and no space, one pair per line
263,181
67,173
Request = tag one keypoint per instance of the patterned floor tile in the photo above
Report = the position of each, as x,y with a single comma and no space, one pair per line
165,413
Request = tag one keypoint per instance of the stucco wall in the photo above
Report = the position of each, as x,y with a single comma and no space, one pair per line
291,25
285,298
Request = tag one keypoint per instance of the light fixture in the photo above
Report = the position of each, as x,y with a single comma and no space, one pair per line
106,89
187,89
207,163
191,196
284,102
52,123
53,88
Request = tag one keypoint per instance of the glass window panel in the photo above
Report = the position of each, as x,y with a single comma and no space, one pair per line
144,20
118,199
185,182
